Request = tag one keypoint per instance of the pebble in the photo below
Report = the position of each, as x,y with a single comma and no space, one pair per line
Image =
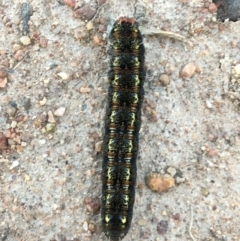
14,164
27,177
51,117
60,111
3,82
84,89
16,47
43,101
19,55
172,171
81,33
164,79
212,152
237,69
3,77
96,40
27,103
188,71
204,191
98,146
162,227
63,75
11,111
85,13
43,42
212,8
85,226
70,3
7,133
50,127
42,142
158,183
89,26
3,73
25,40
93,205
14,124
3,142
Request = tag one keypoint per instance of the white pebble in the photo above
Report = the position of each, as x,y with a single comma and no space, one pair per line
25,40
60,111
43,101
63,75
51,117
237,69
14,164
85,226
42,142
14,124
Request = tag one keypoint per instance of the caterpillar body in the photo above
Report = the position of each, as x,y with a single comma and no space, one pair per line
123,120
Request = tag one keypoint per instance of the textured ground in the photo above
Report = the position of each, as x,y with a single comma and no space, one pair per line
50,178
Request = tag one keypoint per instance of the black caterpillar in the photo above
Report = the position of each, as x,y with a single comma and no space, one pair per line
123,120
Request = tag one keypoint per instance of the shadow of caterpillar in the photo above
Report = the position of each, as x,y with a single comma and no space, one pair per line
123,120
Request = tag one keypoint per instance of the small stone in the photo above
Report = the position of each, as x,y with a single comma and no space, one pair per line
14,164
3,82
13,124
50,127
164,79
70,3
19,55
81,33
42,142
204,191
3,142
188,71
93,205
3,73
162,227
237,69
98,146
7,133
43,101
43,42
60,111
11,111
142,222
16,47
51,117
212,152
27,103
96,40
158,183
91,227
212,8
85,226
85,13
172,171
89,26
84,89
63,75
27,177
102,28
25,40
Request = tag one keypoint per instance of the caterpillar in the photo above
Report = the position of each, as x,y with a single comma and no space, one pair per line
122,124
